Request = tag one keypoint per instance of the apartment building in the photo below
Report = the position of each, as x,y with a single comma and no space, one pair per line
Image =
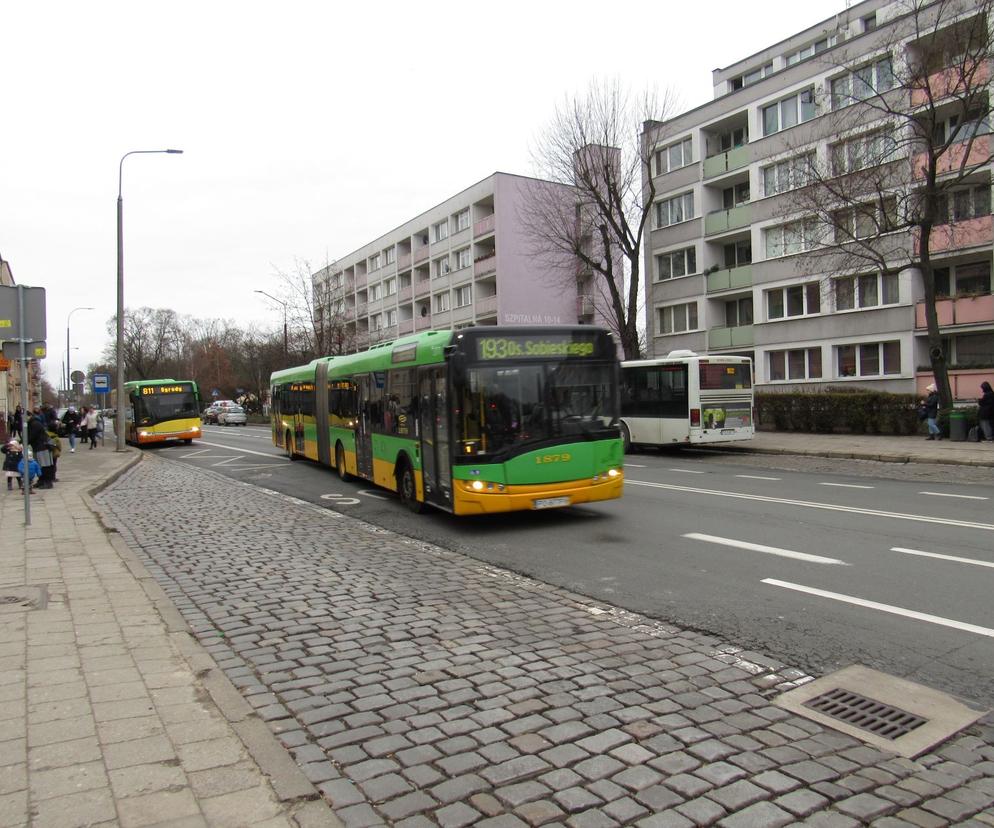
10,370
467,261
728,259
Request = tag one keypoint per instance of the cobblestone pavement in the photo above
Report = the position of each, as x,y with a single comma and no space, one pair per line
418,687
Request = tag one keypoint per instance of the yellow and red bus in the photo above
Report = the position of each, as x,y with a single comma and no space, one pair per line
162,409
479,420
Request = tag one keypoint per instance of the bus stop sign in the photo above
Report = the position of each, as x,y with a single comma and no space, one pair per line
100,383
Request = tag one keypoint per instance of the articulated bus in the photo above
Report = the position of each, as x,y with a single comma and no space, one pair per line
686,399
479,420
162,409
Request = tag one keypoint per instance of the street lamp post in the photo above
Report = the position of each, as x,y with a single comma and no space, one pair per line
280,301
69,355
119,425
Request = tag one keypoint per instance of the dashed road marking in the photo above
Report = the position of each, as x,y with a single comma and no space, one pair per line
861,602
941,557
846,485
756,477
686,471
768,550
946,494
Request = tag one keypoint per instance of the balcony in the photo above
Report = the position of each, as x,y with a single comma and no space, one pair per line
405,294
403,261
719,221
423,287
951,81
964,383
731,278
953,159
486,306
725,162
584,305
961,234
484,226
722,338
362,310
481,267
420,255
963,310
360,281
405,327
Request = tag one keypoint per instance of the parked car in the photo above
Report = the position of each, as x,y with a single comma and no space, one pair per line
231,415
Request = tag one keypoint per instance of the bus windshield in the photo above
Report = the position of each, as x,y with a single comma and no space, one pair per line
504,408
156,408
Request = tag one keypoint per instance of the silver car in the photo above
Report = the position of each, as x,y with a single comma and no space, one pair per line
232,415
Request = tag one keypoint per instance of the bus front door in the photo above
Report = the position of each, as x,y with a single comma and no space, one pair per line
433,412
363,432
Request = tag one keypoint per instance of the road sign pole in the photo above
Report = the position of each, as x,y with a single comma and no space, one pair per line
25,448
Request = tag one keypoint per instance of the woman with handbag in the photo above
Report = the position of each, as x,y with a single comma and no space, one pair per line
931,406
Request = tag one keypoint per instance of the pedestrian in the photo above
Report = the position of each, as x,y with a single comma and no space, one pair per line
931,406
38,440
70,425
92,423
17,424
34,474
54,446
13,452
985,412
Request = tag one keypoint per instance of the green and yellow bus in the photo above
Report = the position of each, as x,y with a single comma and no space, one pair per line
479,420
162,409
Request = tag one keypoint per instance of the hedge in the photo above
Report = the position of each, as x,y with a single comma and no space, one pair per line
854,412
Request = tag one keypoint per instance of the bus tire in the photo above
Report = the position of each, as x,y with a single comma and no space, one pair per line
626,439
407,488
288,446
343,473
188,441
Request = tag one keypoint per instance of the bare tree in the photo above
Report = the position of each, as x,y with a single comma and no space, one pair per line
315,311
910,138
152,342
592,218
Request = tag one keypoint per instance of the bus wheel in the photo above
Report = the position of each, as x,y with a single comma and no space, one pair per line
340,464
626,438
288,446
189,441
407,488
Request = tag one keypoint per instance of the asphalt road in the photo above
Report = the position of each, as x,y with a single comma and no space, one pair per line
820,563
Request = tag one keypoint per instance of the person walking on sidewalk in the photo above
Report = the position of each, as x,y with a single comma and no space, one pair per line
70,425
12,454
38,440
932,412
92,423
985,412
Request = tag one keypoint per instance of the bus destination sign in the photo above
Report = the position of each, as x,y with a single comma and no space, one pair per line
152,390
533,347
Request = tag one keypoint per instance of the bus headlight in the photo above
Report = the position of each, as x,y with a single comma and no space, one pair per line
613,473
143,434
477,485
196,428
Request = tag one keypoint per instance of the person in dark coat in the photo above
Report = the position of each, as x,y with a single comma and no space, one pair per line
17,424
932,412
70,426
38,440
985,413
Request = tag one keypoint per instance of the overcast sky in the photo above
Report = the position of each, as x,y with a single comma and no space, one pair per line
308,128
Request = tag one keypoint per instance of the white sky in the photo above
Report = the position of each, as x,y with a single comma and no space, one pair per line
308,128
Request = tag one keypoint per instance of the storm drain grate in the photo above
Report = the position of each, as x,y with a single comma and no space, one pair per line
883,720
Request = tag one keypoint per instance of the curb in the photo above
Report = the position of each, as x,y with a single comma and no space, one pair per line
854,455
304,803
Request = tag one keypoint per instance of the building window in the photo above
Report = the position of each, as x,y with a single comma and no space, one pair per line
732,197
965,204
870,22
678,263
868,150
956,128
738,253
391,316
674,210
440,302
784,114
963,280
389,287
868,290
790,238
974,350
738,312
464,258
441,267
674,156
751,77
733,138
869,359
376,322
462,220
810,50
374,262
863,83
793,300
788,174
375,292
440,231
390,255
864,221
796,364
464,296
678,318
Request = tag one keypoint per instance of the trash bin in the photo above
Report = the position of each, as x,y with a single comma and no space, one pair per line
957,426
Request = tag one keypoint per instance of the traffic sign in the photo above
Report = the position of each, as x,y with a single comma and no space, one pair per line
77,376
11,324
100,383
35,349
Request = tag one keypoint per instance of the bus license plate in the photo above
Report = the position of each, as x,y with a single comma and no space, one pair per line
550,502
728,431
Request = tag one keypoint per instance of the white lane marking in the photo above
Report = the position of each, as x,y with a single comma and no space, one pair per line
686,471
341,500
943,494
247,451
756,477
195,453
955,558
846,485
769,550
634,465
229,460
861,602
810,504
372,493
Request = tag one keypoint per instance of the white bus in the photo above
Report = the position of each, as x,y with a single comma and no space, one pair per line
686,399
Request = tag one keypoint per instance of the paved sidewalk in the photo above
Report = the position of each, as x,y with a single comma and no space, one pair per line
110,712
